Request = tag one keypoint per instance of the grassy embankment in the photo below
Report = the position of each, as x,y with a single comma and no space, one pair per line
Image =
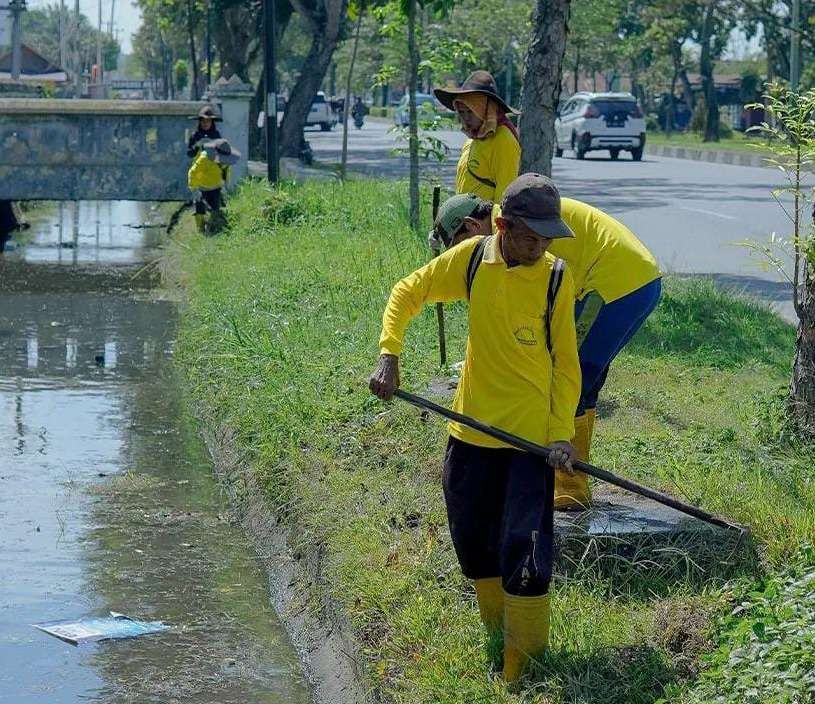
278,340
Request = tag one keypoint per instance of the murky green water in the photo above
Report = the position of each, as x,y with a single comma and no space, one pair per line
107,499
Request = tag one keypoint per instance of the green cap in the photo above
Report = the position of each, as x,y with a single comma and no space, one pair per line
452,213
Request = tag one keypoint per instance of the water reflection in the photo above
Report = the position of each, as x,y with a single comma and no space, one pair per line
108,232
107,502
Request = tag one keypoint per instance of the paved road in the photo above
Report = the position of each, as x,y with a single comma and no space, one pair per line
691,214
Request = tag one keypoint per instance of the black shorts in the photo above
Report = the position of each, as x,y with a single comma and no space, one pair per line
211,198
500,507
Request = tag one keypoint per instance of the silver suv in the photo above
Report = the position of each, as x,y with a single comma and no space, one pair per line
592,121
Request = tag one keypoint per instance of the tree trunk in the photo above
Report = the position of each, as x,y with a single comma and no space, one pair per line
194,95
541,85
670,114
576,83
687,91
802,388
325,37
708,84
237,33
347,105
413,118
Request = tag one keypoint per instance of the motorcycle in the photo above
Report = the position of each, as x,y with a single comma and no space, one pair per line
358,121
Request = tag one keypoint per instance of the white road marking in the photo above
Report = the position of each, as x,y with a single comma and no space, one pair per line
709,212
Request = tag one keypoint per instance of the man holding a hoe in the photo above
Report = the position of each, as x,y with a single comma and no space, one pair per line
521,374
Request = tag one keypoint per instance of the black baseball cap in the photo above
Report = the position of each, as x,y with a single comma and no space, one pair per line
535,199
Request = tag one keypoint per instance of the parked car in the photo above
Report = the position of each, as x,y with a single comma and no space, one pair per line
321,113
401,116
593,121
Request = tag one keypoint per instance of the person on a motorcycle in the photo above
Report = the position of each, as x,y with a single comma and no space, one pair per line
358,110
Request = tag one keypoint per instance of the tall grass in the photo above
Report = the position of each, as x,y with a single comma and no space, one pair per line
278,339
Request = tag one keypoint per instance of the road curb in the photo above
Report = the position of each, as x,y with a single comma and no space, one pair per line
714,156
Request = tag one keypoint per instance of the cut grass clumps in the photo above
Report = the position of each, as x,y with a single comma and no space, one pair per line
278,339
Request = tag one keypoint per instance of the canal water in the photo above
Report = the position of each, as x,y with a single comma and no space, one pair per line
107,497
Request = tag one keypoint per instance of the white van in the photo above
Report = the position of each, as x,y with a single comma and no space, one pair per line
321,113
594,121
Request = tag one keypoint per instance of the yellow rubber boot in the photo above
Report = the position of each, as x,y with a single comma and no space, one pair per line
490,596
200,222
526,632
591,416
572,492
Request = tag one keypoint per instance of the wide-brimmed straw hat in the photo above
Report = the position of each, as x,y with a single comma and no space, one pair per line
209,113
221,151
477,82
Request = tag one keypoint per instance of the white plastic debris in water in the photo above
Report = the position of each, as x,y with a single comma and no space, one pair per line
89,630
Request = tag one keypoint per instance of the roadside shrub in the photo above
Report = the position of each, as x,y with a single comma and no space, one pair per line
766,642
651,123
708,326
725,130
279,208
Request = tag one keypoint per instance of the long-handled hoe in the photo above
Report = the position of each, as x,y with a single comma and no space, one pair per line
589,469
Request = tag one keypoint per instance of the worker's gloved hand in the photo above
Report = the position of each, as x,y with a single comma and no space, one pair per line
197,196
561,455
434,241
385,379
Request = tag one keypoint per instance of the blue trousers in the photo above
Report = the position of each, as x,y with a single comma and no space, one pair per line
605,329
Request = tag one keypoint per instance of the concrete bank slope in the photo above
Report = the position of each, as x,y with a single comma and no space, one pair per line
341,493
321,635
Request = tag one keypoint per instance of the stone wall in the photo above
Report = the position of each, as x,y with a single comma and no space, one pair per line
102,149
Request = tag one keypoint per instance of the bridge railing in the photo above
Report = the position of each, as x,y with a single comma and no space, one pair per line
108,149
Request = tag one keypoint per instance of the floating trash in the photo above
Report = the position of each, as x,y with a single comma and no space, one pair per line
89,630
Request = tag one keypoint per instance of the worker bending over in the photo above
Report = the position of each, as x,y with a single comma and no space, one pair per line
521,374
617,286
209,174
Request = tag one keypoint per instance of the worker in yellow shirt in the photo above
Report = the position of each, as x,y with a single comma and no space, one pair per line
209,174
491,156
617,286
460,217
522,374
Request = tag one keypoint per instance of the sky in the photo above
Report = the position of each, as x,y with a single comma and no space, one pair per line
127,19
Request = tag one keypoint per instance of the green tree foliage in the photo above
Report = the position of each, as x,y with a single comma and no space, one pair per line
41,28
593,45
181,74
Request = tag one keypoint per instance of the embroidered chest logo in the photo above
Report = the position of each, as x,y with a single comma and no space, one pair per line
526,336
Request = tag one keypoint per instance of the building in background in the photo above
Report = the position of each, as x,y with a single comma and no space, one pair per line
34,68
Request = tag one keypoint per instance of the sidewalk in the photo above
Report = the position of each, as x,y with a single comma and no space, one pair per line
716,156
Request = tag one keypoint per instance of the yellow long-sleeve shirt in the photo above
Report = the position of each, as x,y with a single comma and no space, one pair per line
494,160
509,379
604,255
206,175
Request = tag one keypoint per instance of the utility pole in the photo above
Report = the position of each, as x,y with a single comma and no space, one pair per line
76,55
209,45
509,58
62,37
110,26
16,8
270,74
795,45
99,49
